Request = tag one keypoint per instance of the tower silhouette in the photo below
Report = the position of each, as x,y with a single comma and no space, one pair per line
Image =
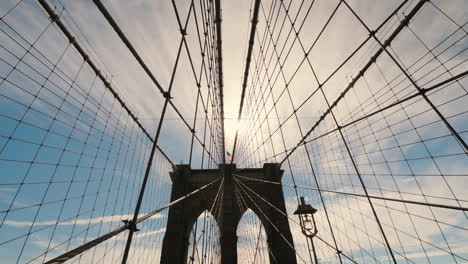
271,210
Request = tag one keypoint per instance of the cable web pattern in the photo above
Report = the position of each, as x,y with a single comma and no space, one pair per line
366,112
361,103
80,162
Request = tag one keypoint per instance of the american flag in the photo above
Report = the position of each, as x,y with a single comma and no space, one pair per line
229,157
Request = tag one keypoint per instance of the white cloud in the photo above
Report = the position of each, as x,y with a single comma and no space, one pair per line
80,221
152,28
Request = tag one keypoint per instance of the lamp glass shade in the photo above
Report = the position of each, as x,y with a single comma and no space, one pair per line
306,216
307,222
308,226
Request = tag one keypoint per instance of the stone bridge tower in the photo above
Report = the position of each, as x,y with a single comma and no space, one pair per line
183,215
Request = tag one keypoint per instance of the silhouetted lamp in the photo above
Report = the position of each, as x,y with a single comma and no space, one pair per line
306,216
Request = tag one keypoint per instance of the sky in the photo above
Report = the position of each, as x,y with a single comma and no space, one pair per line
72,158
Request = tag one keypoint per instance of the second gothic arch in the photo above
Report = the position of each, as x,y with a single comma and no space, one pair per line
226,210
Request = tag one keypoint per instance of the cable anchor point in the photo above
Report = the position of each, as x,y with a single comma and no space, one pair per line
131,225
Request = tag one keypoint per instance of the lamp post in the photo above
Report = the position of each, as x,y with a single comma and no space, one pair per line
307,221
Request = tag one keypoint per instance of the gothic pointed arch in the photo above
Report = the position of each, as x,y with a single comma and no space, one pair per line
204,234
251,231
227,210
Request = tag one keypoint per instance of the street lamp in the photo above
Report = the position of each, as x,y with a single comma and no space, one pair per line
307,221
306,216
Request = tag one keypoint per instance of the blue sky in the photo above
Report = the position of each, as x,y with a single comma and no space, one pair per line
69,153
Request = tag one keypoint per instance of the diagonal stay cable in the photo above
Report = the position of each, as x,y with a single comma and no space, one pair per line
75,252
213,65
219,43
307,52
414,95
166,93
156,138
423,90
247,67
212,210
384,47
241,201
56,19
294,221
257,243
293,22
216,212
127,43
356,78
445,206
269,220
